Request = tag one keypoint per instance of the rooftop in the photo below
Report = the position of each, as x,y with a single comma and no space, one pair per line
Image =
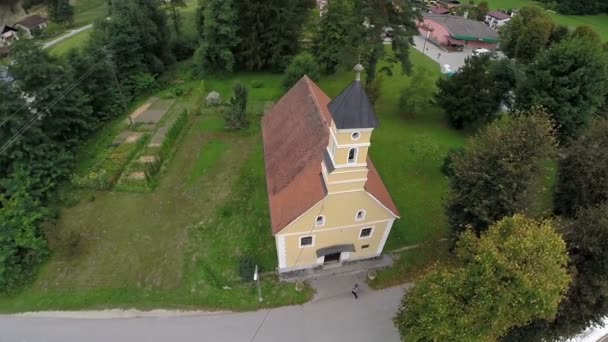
352,109
31,21
464,29
499,15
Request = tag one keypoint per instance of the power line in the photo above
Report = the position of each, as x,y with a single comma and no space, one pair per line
65,74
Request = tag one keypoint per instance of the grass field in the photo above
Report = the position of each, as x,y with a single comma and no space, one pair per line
598,22
63,47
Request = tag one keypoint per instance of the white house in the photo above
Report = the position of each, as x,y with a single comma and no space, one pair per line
496,19
7,35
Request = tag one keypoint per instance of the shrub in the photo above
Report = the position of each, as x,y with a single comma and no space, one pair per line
302,64
257,84
246,268
374,89
173,134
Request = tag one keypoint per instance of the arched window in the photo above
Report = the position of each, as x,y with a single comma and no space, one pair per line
352,155
360,215
320,221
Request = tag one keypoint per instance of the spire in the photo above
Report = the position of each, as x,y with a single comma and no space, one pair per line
358,68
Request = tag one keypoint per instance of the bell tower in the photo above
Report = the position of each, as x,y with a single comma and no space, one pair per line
353,120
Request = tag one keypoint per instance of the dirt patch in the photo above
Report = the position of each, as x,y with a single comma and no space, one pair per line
119,139
151,116
136,113
133,137
137,175
147,159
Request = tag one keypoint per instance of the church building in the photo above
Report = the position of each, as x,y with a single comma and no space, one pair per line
327,201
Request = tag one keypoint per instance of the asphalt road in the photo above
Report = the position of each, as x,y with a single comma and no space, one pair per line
337,318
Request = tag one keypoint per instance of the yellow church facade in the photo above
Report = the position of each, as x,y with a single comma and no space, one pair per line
328,204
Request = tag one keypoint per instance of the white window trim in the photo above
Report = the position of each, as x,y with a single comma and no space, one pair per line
352,136
366,237
307,246
357,219
356,155
317,224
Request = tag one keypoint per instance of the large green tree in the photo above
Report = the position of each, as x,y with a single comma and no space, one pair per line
331,36
173,7
526,34
515,272
470,96
582,179
586,303
570,80
215,55
268,32
375,20
60,11
64,112
496,175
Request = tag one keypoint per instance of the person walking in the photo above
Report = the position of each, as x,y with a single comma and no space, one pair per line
355,291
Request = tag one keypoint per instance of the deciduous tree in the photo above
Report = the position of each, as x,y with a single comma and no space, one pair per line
582,179
526,34
215,55
495,176
332,35
470,96
570,80
302,64
513,273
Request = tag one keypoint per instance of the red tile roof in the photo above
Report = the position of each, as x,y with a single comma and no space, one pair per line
295,134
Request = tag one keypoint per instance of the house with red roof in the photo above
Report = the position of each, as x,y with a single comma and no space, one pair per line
328,204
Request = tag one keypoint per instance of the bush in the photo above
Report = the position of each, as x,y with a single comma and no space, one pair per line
302,64
246,268
145,83
374,89
257,84
173,134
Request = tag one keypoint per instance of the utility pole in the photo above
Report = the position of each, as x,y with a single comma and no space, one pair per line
256,277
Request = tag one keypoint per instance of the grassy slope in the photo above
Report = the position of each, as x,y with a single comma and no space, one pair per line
63,47
598,22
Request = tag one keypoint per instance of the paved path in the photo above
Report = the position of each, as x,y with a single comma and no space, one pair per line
338,317
71,33
454,59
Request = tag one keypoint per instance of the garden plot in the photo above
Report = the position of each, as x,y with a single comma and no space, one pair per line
152,112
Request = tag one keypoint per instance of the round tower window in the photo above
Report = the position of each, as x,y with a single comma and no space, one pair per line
355,136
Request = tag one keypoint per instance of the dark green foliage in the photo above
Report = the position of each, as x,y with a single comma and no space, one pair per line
373,89
173,134
236,116
527,34
446,167
173,7
495,176
366,41
219,28
302,64
21,243
415,96
331,36
65,114
60,11
558,33
138,38
268,32
246,268
570,80
582,180
471,95
582,7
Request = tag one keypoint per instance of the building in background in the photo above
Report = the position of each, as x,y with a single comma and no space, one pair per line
8,34
328,204
496,19
32,25
455,33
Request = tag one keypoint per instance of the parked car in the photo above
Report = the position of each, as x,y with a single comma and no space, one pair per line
481,52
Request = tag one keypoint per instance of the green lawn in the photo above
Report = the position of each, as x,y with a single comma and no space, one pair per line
63,47
598,22
87,11
181,245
